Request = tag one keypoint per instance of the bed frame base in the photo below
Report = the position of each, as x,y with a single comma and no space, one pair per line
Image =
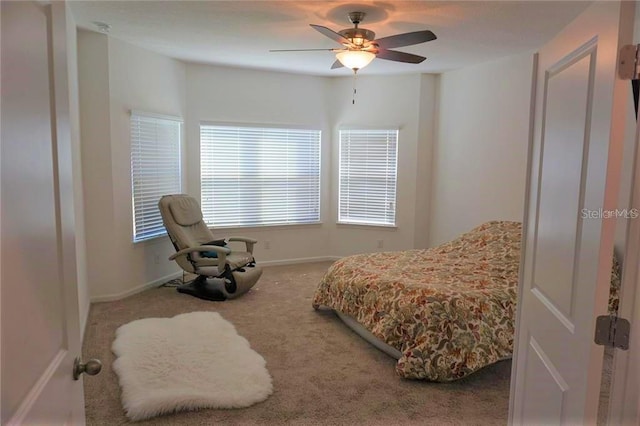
368,336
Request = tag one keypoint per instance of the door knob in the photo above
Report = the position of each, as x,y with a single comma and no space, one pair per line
91,367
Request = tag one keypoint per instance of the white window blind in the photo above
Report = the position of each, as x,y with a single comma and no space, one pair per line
368,170
155,170
252,176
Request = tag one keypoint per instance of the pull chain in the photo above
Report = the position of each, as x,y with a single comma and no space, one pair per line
355,80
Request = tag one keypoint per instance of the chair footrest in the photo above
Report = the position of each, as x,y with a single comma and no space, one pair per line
244,280
204,289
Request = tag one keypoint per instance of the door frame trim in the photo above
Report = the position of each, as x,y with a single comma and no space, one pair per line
525,230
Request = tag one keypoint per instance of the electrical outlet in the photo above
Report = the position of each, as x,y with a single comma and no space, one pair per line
267,245
156,259
380,243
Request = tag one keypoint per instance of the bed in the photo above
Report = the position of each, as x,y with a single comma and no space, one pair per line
447,311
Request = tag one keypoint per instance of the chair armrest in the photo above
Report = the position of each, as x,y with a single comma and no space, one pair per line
221,251
243,239
249,242
220,262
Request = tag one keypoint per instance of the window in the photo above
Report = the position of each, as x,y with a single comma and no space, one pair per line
254,176
155,169
368,164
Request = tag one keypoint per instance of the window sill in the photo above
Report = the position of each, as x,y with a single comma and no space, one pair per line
367,225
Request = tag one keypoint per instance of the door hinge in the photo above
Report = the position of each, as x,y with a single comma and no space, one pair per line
612,331
629,62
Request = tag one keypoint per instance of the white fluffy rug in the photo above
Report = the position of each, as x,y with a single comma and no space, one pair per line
190,361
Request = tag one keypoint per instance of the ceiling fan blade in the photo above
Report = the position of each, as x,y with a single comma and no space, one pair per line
300,50
392,55
331,34
336,64
406,39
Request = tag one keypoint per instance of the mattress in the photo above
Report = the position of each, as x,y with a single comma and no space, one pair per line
448,310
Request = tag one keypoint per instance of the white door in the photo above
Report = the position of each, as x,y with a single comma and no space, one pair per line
577,127
39,305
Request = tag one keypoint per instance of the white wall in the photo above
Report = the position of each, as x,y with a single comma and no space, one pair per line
223,94
95,136
234,95
427,131
399,101
145,81
116,77
78,199
479,161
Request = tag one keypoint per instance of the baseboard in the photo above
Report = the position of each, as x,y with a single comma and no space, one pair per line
136,290
298,260
162,280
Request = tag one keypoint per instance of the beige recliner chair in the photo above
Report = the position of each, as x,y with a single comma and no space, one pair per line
222,273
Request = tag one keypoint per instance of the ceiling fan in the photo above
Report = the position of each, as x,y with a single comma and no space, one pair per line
360,46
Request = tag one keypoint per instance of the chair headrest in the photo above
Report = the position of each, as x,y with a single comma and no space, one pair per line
185,211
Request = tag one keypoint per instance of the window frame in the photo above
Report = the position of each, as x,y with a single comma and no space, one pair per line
150,115
363,223
264,126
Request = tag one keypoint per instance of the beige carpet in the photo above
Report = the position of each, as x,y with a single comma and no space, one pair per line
323,373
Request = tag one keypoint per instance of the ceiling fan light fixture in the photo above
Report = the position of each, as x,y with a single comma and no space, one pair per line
355,59
358,41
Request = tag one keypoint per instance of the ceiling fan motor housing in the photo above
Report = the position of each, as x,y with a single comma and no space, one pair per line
356,17
357,34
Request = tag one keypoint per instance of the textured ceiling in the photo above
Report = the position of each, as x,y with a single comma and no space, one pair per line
240,33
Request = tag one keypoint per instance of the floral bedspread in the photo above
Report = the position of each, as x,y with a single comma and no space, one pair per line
450,310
